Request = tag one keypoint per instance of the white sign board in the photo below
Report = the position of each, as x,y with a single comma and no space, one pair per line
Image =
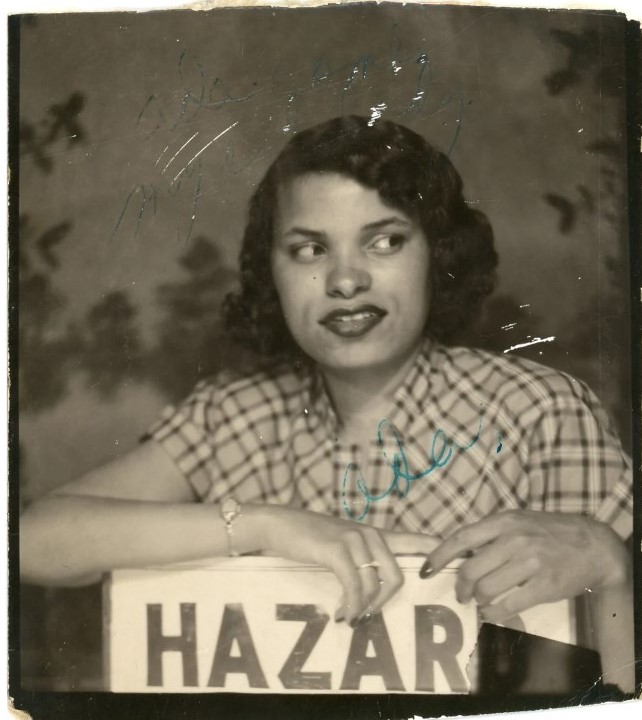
256,624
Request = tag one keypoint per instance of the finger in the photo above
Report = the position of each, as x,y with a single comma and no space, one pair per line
390,577
341,563
484,562
470,537
368,578
510,576
410,543
370,582
522,598
366,566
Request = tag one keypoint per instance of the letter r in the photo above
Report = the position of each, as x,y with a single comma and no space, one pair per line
428,652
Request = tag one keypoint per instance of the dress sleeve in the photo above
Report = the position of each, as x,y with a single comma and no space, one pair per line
187,433
577,464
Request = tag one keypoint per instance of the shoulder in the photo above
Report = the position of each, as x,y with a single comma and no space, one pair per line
523,388
273,389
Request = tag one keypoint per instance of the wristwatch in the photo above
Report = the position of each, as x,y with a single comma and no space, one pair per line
230,510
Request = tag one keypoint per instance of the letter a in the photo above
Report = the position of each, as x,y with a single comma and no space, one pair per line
234,627
383,663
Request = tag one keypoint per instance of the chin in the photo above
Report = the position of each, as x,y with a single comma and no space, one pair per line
360,356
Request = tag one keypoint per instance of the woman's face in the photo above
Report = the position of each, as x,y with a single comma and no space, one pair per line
351,273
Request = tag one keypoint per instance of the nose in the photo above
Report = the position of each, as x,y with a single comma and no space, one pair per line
347,280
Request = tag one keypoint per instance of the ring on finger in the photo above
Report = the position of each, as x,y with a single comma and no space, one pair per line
372,564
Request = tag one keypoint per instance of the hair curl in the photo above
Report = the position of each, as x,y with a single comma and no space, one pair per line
409,174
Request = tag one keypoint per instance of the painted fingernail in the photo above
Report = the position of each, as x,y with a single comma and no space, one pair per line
426,570
363,620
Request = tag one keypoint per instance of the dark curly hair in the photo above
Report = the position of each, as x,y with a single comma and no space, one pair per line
410,175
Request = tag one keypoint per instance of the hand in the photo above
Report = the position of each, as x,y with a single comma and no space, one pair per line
359,555
522,558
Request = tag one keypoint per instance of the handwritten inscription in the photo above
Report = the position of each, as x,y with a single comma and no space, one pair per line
441,453
274,104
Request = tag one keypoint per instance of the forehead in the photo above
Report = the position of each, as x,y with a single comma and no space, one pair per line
327,198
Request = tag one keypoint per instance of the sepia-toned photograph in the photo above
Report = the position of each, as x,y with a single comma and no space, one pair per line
323,364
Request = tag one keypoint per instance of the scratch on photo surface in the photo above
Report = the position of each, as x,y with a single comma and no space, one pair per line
161,155
637,691
376,111
175,155
214,139
534,341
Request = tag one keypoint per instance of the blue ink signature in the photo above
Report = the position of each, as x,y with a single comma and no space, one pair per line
441,453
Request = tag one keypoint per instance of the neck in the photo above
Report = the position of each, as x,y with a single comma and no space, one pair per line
360,394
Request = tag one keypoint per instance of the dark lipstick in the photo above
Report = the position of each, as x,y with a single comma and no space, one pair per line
353,322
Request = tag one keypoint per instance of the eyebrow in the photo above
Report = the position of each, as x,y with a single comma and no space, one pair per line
303,231
376,225
392,220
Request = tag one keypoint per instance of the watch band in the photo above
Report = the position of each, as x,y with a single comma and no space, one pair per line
230,510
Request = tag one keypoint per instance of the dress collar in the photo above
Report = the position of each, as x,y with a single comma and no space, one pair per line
408,401
413,393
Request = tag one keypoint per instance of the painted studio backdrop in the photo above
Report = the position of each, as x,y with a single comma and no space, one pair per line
142,138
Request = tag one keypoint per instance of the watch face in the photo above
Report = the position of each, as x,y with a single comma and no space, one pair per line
229,507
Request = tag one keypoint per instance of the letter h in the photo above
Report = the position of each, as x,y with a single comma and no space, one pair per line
185,643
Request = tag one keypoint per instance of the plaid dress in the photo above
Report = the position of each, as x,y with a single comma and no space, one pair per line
468,433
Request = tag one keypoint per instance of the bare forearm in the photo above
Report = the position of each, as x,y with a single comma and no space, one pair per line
68,539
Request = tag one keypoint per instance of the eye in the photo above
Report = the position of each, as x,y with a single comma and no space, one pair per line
307,252
388,244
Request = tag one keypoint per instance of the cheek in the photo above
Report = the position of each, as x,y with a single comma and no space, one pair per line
293,291
280,280
418,269
412,283
424,281
417,296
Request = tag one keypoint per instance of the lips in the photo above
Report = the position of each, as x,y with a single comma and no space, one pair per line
353,322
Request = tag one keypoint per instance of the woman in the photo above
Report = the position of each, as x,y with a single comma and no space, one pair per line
364,436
